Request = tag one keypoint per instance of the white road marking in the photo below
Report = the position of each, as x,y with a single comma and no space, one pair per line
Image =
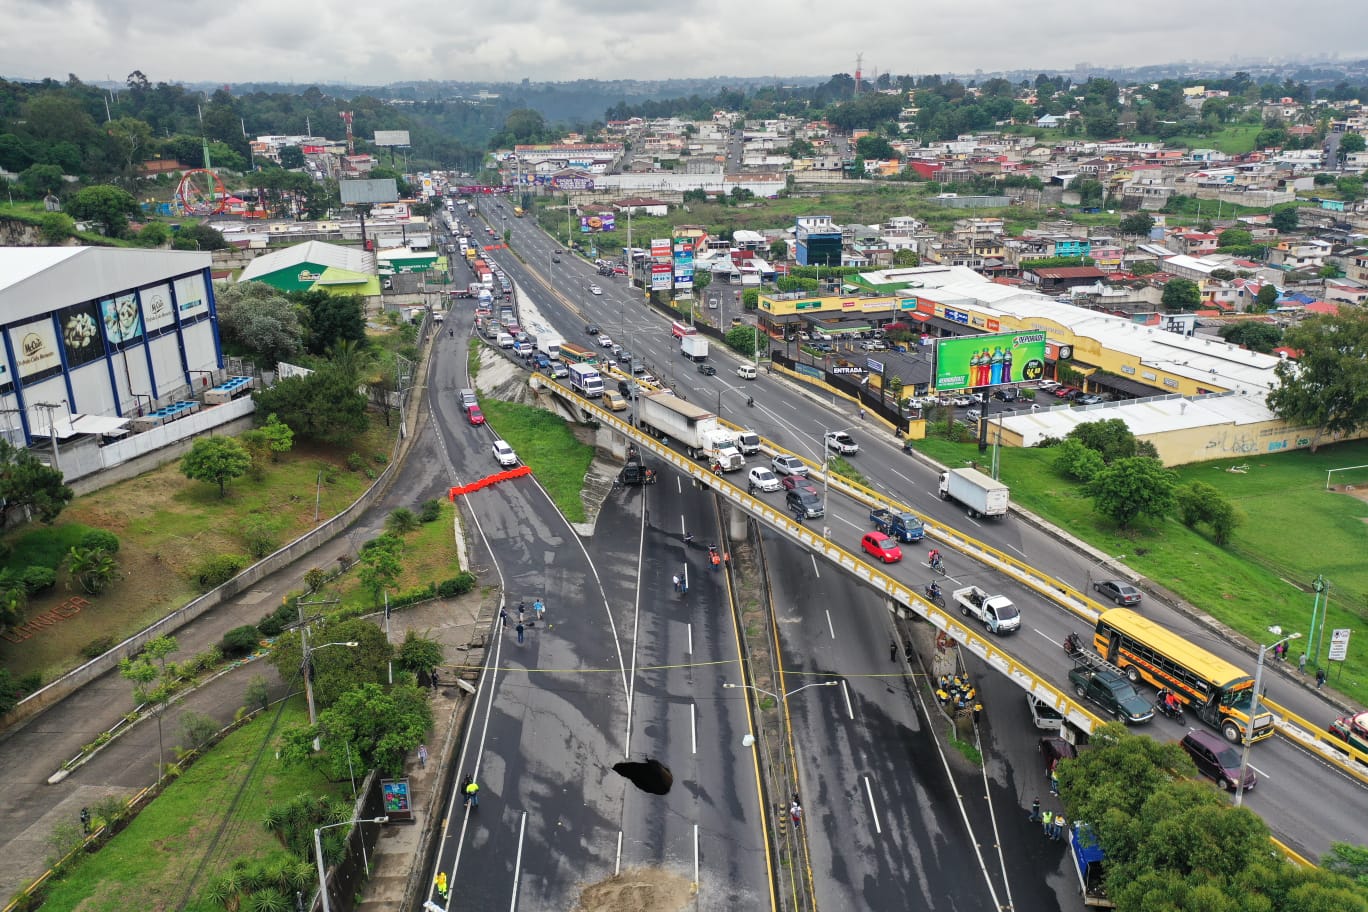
693,725
690,639
850,710
814,566
695,880
873,809
1262,774
617,855
830,629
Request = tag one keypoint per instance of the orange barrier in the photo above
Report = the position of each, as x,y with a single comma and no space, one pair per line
485,482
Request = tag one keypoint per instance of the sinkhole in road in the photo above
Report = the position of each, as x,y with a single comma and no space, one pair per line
650,776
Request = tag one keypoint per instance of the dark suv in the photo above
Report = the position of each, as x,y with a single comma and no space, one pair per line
1217,759
804,503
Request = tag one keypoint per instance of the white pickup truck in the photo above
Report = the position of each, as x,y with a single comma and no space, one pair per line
996,612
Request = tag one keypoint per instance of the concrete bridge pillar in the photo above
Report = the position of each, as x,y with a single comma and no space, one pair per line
736,525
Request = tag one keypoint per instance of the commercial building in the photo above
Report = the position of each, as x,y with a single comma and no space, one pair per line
315,264
818,241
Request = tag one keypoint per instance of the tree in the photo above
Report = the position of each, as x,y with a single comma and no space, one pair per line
1111,439
259,320
800,148
741,339
380,566
1326,387
1199,502
36,181
1236,237
778,250
1077,461
1351,143
1181,294
419,653
1130,488
199,237
906,257
154,234
372,724
291,157
217,460
1137,224
874,146
1222,275
28,484
1145,268
1285,219
330,319
336,669
153,683
323,406
55,227
701,281
1265,300
107,206
1259,337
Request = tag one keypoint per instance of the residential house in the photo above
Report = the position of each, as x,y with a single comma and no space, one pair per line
1055,280
1294,255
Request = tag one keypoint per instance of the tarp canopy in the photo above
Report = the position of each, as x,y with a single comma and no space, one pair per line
75,425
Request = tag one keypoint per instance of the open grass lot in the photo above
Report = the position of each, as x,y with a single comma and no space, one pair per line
429,556
166,526
1292,531
150,865
548,445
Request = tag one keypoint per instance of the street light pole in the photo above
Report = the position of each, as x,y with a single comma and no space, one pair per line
826,464
1103,560
308,671
780,697
1322,588
1254,710
318,853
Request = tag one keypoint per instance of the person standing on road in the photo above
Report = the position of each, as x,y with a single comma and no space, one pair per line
1047,822
675,579
503,617
520,632
471,793
1035,810
539,609
1320,678
892,650
796,813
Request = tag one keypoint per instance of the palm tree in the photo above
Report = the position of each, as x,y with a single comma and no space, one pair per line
93,568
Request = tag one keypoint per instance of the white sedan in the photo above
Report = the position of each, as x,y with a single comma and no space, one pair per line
763,479
594,289
605,342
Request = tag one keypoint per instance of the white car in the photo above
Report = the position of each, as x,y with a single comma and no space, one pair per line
764,480
594,289
842,443
784,464
504,455
962,401
605,342
1047,385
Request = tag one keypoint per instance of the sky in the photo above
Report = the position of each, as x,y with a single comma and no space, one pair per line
308,41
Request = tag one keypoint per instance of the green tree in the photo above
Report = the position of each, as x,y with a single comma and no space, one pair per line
1199,502
1137,224
874,146
1130,488
1285,219
56,227
154,234
129,140
199,237
153,682
256,319
36,181
9,691
323,406
1145,268
800,148
778,250
337,669
216,460
27,484
418,653
380,566
1348,860
1077,461
1325,386
741,339
291,157
375,725
1111,439
701,281
1236,237
1265,300
107,206
1181,294
1259,337
330,319
1350,143
906,257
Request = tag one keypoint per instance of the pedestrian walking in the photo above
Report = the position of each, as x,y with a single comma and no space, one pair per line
716,561
1054,783
539,609
907,649
520,632
1047,821
436,678
440,882
796,813
862,414
675,579
978,708
522,609
1320,678
892,650
1301,663
503,616
1059,825
1035,810
422,755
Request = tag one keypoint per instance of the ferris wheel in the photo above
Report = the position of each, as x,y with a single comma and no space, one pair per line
201,192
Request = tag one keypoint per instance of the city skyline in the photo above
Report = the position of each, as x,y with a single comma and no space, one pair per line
563,40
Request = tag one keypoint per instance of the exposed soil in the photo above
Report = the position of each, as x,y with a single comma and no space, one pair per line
638,890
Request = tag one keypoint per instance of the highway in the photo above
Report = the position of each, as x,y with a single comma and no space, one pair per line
796,421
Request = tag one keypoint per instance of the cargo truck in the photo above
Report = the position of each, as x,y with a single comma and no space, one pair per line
980,495
698,431
695,347
905,527
995,612
586,380
549,345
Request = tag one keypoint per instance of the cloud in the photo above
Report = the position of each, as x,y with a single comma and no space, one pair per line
314,41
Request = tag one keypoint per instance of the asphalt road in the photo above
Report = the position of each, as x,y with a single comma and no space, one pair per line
798,421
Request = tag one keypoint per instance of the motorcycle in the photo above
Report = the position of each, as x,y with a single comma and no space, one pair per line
1175,712
1073,644
933,595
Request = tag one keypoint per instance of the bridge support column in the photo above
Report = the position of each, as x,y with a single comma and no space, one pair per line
606,440
736,525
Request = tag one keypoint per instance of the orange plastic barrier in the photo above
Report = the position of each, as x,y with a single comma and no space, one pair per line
485,482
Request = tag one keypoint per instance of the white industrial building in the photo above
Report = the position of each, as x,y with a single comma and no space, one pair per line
102,343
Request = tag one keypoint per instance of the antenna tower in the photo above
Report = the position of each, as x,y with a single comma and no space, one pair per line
859,64
351,140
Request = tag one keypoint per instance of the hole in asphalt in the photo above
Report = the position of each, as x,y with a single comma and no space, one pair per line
650,776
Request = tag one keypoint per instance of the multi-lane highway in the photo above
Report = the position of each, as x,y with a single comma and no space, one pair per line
796,421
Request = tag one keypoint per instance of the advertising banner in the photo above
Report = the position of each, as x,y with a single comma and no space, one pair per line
572,182
35,344
603,221
395,793
156,305
1339,644
660,248
967,362
80,333
122,321
661,279
191,298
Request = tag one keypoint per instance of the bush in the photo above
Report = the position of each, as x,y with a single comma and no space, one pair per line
401,521
430,511
460,584
274,624
385,540
38,579
260,535
380,459
99,538
97,647
355,462
240,641
197,729
217,570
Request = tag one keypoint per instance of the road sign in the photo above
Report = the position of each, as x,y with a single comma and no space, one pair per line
1339,644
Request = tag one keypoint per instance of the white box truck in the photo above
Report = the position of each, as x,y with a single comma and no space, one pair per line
549,345
698,431
980,495
695,347
586,380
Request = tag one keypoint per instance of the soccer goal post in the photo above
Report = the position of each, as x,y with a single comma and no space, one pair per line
1352,475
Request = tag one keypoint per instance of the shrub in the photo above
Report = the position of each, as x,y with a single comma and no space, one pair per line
401,521
38,579
198,729
260,535
459,584
384,540
380,459
99,538
240,641
216,570
97,647
430,511
275,623
355,462
258,692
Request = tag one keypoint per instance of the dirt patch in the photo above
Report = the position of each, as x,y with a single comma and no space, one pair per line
1359,491
638,890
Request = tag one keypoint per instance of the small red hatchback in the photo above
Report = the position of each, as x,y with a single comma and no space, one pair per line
474,415
881,546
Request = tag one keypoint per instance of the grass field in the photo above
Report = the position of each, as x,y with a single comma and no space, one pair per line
429,556
1234,139
152,864
166,526
548,445
1292,531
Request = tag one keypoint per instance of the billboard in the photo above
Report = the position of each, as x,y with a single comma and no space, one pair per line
966,362
603,221
572,182
660,276
81,332
391,137
660,248
122,319
368,191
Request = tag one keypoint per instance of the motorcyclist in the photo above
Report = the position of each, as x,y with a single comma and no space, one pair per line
1171,701
934,557
934,590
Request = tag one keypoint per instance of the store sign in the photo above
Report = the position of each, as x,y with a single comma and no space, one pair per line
36,346
1339,644
157,310
875,367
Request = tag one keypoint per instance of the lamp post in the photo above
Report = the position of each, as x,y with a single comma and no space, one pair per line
318,853
1088,585
1254,709
826,464
308,674
783,697
1322,589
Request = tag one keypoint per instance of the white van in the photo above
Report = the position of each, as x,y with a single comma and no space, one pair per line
504,340
746,372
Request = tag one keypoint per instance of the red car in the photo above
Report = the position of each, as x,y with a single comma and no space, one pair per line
798,483
1065,392
474,415
881,546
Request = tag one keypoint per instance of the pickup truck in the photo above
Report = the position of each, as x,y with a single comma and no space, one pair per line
905,527
1111,691
995,612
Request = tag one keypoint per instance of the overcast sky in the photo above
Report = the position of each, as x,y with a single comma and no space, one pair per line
307,41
